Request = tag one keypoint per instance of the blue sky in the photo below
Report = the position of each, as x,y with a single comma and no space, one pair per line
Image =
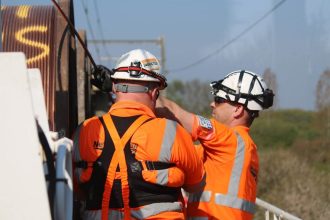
293,41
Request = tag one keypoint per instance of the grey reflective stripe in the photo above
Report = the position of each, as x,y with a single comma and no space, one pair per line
166,150
237,168
198,218
162,177
203,196
231,198
114,214
76,152
168,140
144,212
96,214
131,89
156,208
234,202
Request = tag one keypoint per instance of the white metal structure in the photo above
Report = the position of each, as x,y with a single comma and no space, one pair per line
38,100
62,147
23,187
273,211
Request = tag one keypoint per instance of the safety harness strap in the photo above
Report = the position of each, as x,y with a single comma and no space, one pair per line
118,159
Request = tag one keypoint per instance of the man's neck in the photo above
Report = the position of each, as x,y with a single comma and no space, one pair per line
143,98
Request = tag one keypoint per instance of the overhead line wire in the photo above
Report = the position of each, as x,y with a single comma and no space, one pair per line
98,21
230,41
89,26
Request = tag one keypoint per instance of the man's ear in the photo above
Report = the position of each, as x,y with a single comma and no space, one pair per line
238,111
155,93
113,87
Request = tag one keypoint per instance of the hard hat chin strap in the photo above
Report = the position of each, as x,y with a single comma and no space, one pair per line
131,89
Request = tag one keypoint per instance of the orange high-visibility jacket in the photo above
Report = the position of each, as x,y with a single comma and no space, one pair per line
231,165
153,142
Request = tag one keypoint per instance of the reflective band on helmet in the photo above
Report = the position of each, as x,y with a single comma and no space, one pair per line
161,78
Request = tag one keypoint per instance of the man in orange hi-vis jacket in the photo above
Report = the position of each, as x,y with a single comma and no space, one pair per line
128,163
228,152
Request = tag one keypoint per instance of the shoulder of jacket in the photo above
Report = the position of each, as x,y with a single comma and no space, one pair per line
161,122
223,130
158,120
204,122
91,122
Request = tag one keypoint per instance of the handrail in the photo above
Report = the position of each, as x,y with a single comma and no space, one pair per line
278,213
64,187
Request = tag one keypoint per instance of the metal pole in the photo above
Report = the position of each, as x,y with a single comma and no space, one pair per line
162,51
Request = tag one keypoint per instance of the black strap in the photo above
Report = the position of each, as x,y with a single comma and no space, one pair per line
84,164
151,165
249,95
65,180
239,84
157,165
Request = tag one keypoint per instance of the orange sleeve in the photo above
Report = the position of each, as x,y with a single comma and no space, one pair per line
185,156
200,151
202,128
213,136
91,143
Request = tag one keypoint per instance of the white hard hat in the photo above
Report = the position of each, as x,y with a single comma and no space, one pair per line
139,65
246,88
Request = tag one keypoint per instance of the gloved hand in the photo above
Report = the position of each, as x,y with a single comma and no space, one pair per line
102,78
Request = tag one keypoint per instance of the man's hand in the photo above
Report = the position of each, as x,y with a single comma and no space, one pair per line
102,78
166,108
162,110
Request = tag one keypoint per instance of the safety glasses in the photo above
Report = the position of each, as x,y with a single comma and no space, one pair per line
219,100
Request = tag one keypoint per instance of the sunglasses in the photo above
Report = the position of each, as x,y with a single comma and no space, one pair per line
219,100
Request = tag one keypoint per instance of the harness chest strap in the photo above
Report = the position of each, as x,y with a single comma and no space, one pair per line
118,158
